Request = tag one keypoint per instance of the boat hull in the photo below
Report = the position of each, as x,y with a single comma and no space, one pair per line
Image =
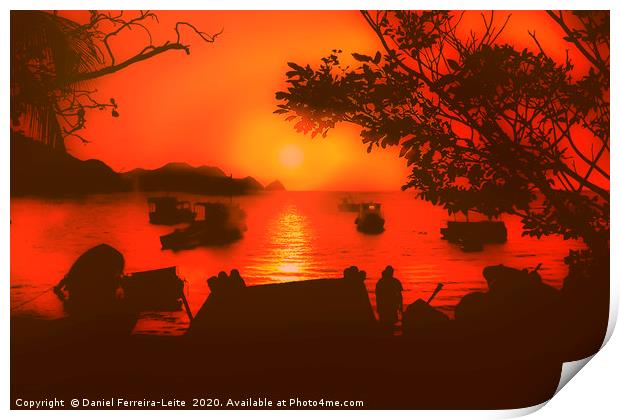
181,216
200,235
483,232
372,224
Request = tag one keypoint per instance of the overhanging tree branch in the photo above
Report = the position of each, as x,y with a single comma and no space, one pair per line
126,63
147,52
432,87
47,70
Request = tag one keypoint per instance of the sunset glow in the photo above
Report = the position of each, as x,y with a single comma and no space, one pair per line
291,156
215,106
387,209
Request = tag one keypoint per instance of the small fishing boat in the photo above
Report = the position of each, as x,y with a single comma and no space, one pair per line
370,219
215,224
471,236
347,204
169,211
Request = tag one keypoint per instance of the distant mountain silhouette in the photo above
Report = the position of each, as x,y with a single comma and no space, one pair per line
275,186
38,170
181,167
183,177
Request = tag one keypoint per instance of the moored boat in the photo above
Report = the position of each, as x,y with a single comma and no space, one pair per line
370,219
471,234
216,224
347,204
169,211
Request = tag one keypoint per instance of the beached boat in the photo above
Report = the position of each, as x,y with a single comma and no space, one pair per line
215,224
370,219
472,235
152,290
169,211
310,309
347,204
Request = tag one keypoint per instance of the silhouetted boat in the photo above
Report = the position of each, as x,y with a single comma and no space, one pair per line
471,245
322,308
220,224
347,204
159,289
369,219
169,211
472,235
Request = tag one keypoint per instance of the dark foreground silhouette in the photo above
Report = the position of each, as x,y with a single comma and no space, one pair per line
320,339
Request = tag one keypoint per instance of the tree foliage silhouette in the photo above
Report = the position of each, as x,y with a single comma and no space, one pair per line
53,59
483,126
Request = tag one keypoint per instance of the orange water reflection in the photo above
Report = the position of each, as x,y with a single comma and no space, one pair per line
291,236
290,246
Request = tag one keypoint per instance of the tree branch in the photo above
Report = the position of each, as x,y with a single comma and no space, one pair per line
571,38
135,59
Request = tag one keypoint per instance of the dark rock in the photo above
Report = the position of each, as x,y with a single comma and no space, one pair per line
275,186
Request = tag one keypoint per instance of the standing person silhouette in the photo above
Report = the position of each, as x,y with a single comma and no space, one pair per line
389,298
235,279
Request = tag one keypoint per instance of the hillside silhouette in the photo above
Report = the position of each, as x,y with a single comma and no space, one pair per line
275,186
42,171
183,177
37,169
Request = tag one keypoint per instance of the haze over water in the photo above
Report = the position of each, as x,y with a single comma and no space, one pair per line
291,236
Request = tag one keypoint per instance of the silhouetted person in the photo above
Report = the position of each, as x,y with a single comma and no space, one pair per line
223,283
354,273
213,284
90,291
236,281
389,298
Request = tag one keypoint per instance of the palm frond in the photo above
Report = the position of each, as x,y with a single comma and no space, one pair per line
46,51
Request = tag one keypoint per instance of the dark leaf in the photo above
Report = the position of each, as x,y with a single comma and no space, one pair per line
361,57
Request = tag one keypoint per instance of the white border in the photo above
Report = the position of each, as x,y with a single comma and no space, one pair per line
593,394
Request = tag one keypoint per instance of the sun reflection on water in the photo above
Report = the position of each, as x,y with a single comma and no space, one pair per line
290,240
291,237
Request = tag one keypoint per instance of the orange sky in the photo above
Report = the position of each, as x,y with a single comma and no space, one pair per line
215,106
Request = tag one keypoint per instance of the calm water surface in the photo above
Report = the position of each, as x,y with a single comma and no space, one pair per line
291,236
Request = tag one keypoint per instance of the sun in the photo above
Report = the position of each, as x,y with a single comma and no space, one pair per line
291,156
